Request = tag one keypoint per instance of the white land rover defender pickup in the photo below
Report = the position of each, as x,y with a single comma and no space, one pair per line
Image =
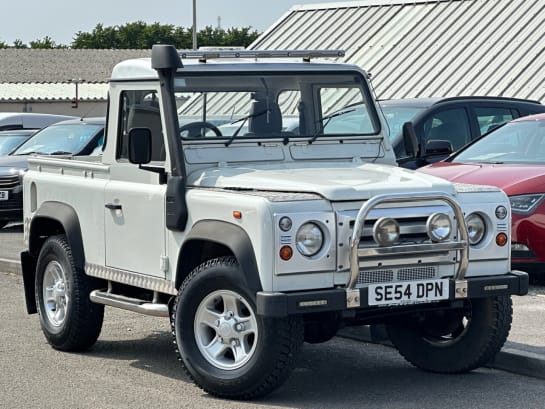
226,200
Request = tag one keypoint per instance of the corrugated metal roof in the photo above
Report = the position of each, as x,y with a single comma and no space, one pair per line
61,65
29,92
427,48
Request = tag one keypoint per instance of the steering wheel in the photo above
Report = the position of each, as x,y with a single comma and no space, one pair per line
194,129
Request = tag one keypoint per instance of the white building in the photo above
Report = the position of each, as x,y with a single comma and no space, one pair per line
58,81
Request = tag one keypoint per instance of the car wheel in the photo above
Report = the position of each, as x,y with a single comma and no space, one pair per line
69,320
224,346
455,341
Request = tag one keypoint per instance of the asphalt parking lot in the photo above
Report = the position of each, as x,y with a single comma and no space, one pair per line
524,352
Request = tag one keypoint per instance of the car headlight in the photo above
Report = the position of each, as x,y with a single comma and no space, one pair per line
476,228
309,239
438,227
525,203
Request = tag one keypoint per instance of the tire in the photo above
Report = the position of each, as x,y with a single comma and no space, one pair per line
69,320
214,320
455,341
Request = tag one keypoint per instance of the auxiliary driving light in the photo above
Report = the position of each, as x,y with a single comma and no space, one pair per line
385,231
438,227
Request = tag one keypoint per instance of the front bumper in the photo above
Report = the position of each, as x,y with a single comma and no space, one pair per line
274,304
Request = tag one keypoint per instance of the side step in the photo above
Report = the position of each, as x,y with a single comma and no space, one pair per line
128,303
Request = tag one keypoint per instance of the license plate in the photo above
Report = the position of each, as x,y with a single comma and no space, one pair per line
4,195
410,292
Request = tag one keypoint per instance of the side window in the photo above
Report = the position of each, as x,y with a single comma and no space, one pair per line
140,109
492,117
450,124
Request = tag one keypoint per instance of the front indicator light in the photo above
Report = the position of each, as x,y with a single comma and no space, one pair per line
501,212
501,239
286,253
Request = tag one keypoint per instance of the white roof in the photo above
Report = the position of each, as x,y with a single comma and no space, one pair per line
36,91
427,48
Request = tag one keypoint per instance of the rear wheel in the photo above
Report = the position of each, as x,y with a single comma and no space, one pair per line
225,347
69,320
455,341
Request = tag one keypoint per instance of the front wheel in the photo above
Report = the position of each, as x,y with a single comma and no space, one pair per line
225,347
455,341
69,320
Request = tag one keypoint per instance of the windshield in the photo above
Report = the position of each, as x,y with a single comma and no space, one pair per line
60,139
9,142
515,142
303,105
397,115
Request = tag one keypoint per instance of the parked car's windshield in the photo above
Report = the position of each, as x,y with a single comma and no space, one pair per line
274,105
58,139
9,141
515,142
397,115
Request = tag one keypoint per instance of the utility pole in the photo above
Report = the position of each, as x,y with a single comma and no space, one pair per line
194,24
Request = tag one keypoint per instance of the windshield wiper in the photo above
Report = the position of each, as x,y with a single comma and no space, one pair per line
30,153
60,153
328,118
243,120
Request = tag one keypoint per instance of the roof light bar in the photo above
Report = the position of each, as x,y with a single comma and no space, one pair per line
306,55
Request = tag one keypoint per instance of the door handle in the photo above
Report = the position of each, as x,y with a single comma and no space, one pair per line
113,206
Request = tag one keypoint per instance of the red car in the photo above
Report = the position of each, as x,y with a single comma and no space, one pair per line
512,158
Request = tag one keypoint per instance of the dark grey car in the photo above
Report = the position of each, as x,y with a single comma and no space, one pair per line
443,125
72,137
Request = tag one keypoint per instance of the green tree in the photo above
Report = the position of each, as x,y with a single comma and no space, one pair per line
3,44
45,43
139,35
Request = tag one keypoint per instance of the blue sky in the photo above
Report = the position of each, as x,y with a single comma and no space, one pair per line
29,20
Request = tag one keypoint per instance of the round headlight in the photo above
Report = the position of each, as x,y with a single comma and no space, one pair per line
476,228
309,239
438,227
385,231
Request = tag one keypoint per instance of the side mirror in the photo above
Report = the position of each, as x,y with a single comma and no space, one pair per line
409,140
438,147
140,146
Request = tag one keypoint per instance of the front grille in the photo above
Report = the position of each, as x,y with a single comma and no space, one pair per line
393,275
14,202
9,182
376,276
416,273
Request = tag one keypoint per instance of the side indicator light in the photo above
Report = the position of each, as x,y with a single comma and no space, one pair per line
237,214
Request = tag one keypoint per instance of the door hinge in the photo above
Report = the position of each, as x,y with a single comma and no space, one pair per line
164,264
